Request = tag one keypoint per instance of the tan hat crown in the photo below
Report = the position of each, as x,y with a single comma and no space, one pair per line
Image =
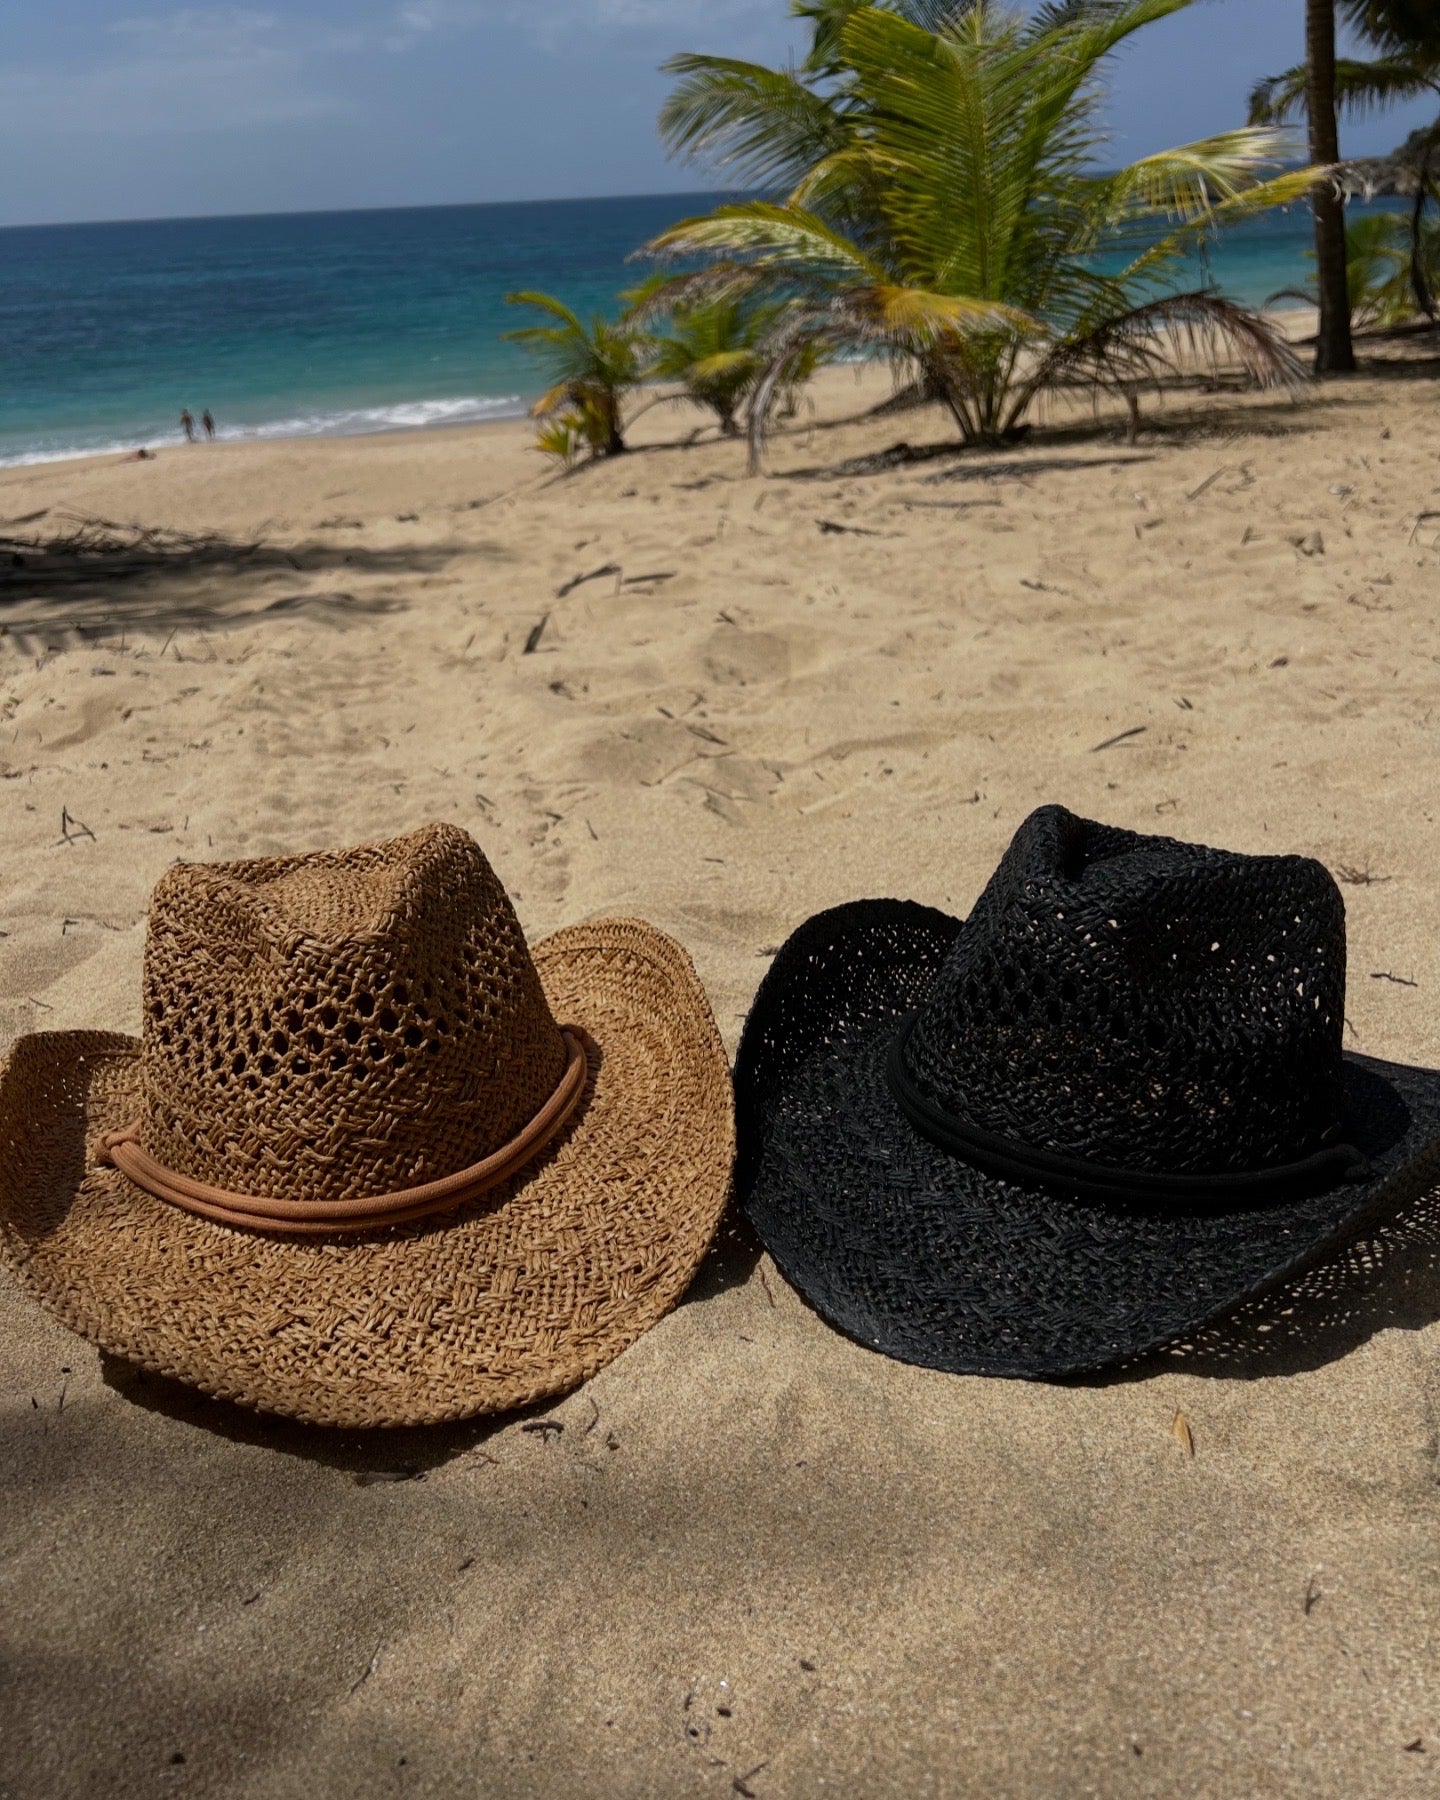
341,1024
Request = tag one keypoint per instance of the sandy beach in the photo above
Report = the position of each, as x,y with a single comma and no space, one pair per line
758,1560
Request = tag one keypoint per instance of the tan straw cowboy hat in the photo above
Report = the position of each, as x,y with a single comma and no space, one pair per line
372,1161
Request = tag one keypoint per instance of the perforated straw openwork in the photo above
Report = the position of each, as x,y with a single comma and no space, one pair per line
391,1165
339,1025
1104,1109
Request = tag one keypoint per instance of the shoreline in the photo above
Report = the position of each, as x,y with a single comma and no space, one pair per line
514,408
516,411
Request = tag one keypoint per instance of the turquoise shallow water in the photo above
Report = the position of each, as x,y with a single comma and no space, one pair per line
341,322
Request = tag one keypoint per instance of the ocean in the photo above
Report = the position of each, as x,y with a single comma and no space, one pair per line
298,324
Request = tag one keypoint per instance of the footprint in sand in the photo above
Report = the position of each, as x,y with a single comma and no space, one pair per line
644,753
733,656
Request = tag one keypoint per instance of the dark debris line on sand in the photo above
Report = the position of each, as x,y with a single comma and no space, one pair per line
72,829
575,581
1119,738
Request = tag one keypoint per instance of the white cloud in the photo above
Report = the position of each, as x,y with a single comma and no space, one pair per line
201,69
219,27
551,22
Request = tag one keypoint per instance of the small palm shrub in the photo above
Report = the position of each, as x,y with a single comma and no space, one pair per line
590,369
712,349
1379,270
562,436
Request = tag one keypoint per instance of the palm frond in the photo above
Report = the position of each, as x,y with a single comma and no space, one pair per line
944,112
1141,344
1363,87
764,127
798,334
916,321
765,233
726,280
848,185
1278,99
1188,181
1264,196
934,15
827,19
1058,15
1360,87
551,400
1404,25
546,303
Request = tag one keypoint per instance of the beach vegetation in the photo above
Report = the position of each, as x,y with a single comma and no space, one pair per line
1377,271
590,369
1406,36
946,209
563,436
715,349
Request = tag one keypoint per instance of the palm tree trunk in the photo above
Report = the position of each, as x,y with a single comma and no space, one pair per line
1419,282
1334,351
939,383
614,440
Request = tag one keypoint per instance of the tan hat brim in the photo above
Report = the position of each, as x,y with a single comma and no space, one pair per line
519,1295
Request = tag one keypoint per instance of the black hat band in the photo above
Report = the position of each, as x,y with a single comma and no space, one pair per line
1109,1185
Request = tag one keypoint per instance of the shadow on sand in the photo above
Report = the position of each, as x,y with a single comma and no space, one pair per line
92,577
1386,1280
1191,415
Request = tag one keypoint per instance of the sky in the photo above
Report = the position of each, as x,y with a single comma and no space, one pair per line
113,111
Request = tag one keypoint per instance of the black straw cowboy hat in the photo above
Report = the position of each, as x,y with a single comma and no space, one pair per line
1106,1108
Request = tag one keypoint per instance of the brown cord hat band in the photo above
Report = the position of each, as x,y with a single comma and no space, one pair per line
303,1218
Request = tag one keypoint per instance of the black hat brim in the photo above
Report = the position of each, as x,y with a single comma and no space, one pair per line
919,1255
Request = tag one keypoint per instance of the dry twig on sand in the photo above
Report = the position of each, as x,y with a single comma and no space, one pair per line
1120,737
575,581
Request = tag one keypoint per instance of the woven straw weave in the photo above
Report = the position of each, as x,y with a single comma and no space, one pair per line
340,1024
517,1295
1143,1002
1113,997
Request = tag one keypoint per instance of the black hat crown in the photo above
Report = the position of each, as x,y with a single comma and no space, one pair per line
1141,1004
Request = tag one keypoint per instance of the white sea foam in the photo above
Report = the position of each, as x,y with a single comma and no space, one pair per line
405,415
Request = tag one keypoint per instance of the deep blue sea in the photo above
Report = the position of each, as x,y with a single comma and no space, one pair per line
296,324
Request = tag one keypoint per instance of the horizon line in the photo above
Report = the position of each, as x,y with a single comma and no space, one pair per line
324,212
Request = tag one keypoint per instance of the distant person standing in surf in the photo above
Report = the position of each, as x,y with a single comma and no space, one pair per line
187,424
207,422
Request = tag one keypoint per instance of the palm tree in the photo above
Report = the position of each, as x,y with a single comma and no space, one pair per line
953,219
1334,352
714,349
590,368
1407,35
